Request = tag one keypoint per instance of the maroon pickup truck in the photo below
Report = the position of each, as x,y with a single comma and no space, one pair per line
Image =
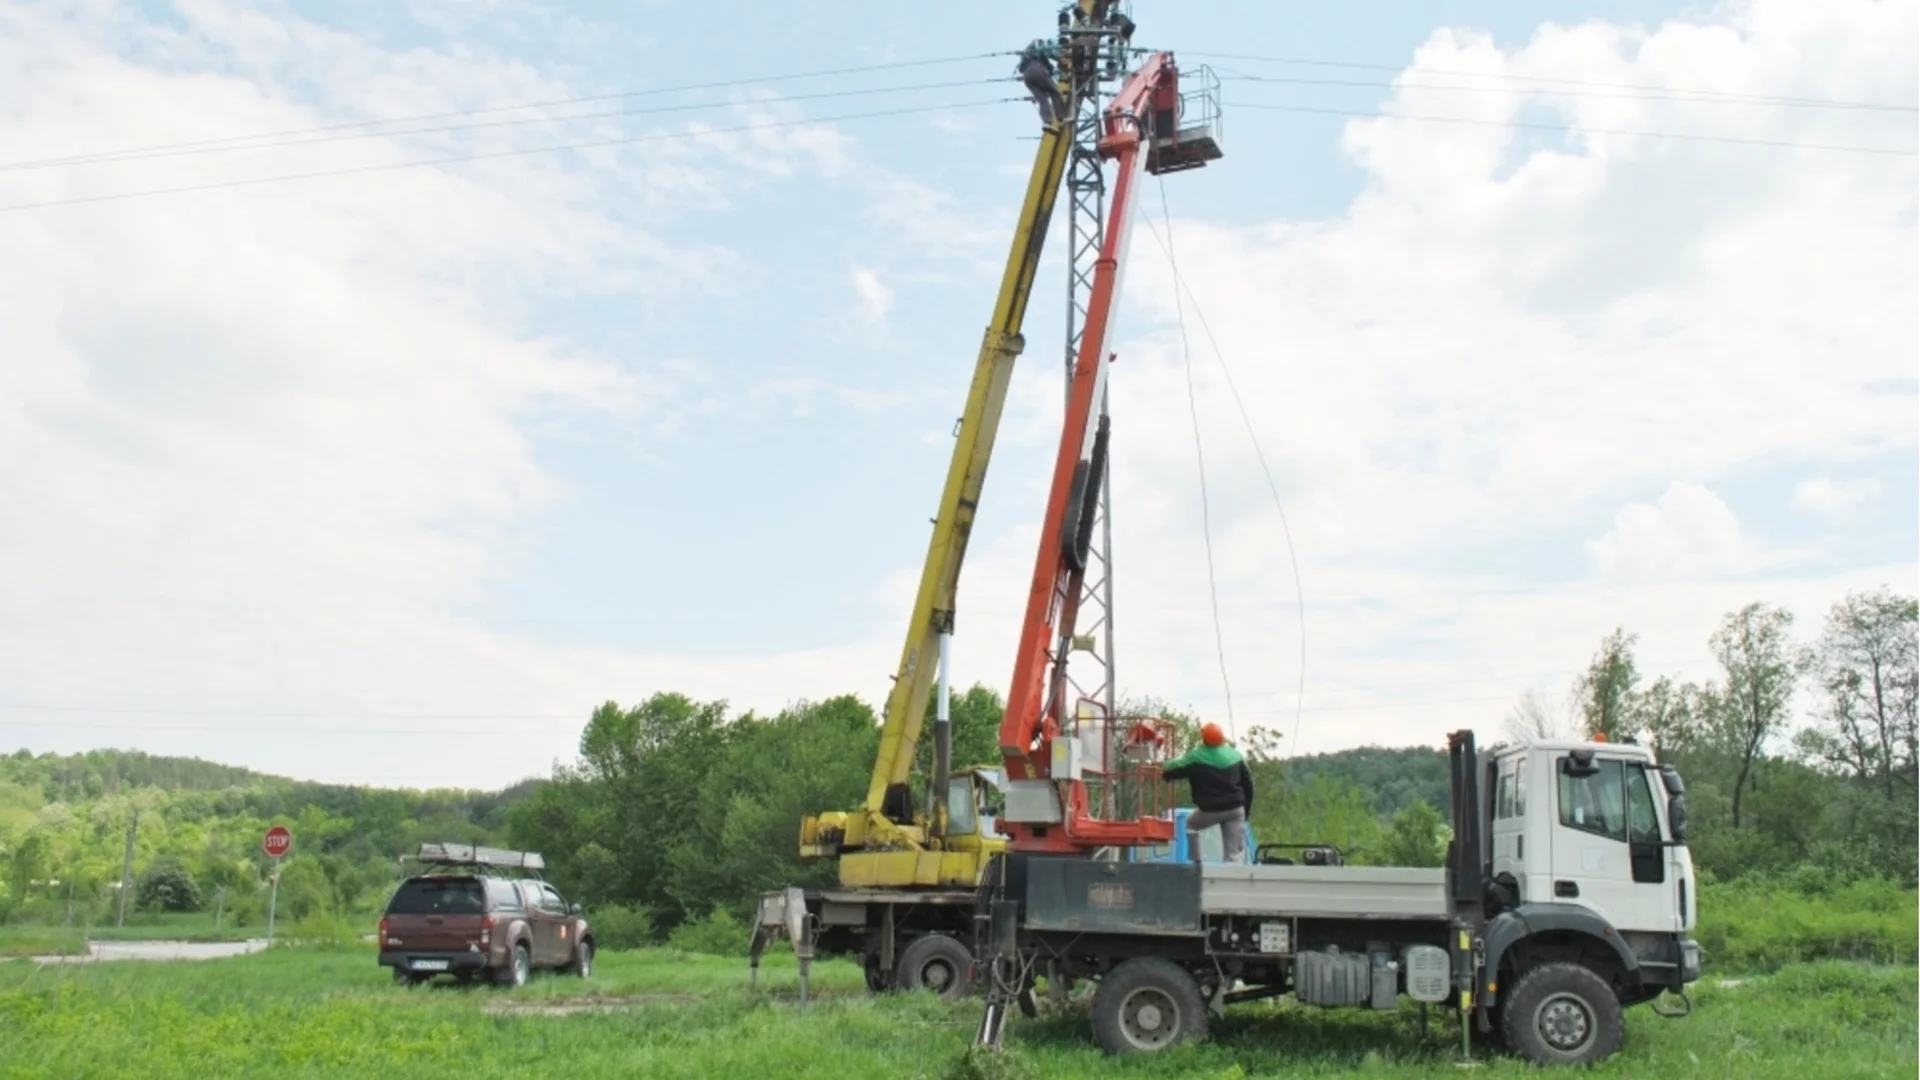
466,920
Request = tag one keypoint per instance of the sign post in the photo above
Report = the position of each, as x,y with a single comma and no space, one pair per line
276,844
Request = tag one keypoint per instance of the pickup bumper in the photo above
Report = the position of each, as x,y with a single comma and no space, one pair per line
433,961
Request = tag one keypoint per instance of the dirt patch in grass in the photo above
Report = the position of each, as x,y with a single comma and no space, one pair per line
571,1006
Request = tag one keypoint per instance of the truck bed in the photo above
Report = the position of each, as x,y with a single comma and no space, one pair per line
1344,892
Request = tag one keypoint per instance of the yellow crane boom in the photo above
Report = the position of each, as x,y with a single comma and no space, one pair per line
884,842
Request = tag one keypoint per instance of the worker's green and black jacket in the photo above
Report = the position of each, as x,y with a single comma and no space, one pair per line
1218,776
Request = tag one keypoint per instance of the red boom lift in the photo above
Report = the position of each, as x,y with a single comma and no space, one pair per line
1085,780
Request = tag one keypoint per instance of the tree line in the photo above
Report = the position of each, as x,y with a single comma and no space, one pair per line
1799,757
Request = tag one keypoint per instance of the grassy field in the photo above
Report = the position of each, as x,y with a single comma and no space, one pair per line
332,1012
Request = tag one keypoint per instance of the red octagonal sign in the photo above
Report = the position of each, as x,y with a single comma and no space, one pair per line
278,841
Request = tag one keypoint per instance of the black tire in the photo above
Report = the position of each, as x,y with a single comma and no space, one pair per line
1562,1014
938,963
1146,1005
877,980
581,966
519,967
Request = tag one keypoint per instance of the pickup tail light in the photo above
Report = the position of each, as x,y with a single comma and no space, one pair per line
486,930
383,933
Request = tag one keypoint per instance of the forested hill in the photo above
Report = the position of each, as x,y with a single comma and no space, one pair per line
1393,777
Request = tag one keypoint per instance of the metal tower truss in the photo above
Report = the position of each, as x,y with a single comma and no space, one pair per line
1098,50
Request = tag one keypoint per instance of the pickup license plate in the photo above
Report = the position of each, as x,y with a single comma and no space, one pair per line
429,965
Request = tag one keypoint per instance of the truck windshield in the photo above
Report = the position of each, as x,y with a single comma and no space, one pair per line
439,896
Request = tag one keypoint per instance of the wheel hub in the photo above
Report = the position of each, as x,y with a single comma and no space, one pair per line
1564,1023
936,976
1149,1018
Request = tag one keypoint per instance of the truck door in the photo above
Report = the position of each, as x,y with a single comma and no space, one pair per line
1509,832
1608,853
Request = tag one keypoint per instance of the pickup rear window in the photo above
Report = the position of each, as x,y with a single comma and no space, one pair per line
439,896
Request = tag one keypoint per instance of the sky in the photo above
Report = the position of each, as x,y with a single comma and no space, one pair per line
1534,320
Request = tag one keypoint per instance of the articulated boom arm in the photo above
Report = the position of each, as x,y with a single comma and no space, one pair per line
1144,113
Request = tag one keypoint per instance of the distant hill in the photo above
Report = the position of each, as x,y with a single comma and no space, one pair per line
1392,776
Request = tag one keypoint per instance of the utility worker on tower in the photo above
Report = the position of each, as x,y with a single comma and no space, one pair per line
1036,71
1222,786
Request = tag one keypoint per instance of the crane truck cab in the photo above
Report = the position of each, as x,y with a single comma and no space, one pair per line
1568,895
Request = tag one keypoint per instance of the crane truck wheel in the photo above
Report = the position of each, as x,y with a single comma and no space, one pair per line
1563,1014
1146,1005
936,962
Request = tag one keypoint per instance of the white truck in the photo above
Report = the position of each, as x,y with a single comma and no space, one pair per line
1568,894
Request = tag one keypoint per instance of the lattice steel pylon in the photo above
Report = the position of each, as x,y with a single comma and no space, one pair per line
1097,46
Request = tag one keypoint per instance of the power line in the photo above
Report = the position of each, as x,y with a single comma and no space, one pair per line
154,155
1293,554
1200,461
496,154
554,103
1575,129
1737,95
1688,97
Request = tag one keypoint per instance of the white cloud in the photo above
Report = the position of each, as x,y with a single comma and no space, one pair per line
1837,500
876,299
267,449
1689,532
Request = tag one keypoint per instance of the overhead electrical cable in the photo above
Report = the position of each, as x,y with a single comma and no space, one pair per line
497,154
1571,129
485,110
1200,463
1273,488
1689,97
154,155
1740,95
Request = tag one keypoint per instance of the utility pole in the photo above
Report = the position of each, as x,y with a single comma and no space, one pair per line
126,865
1098,47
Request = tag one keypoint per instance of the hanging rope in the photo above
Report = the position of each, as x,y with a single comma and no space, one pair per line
1293,557
1200,463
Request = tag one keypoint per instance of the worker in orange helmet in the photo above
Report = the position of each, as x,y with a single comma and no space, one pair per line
1216,773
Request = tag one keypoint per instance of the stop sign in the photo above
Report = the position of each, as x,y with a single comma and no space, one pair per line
278,841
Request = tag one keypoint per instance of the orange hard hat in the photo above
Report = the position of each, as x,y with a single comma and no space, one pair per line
1212,735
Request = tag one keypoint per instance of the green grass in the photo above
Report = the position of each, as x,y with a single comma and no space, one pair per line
1761,926
332,1012
29,939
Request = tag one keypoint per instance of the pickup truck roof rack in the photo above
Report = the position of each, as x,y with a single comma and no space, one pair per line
471,855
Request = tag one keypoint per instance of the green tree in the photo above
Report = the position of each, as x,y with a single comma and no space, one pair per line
1865,664
1761,666
167,886
1415,837
1606,690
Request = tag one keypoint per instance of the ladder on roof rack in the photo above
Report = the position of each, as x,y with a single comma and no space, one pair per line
474,855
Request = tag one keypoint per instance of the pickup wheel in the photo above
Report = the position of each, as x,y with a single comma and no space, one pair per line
1146,1005
938,963
519,967
582,963
1562,1014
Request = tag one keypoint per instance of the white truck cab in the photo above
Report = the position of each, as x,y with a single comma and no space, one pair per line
1595,825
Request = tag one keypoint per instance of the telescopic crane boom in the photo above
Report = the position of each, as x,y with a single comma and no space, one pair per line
1050,754
883,842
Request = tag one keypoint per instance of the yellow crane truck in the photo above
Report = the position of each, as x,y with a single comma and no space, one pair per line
908,877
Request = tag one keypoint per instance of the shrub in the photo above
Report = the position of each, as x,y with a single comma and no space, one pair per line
719,933
621,926
167,886
1751,925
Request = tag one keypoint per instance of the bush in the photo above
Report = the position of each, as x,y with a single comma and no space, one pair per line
323,930
621,926
720,933
167,886
1751,925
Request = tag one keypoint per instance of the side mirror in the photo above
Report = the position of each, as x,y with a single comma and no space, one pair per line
1677,817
